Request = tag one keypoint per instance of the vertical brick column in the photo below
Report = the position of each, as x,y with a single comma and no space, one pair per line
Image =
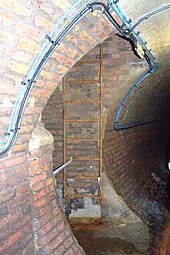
52,234
52,116
23,28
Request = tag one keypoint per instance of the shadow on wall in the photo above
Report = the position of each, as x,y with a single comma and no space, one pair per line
168,166
136,158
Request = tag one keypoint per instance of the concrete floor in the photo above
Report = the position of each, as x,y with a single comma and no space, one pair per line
119,231
165,243
103,238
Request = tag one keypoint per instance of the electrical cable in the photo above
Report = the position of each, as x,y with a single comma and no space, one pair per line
137,123
42,61
116,125
53,40
39,56
132,35
46,44
28,91
12,131
152,63
150,15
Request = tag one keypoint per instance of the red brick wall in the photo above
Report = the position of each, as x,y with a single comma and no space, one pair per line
83,83
16,220
136,158
24,213
133,157
51,230
23,28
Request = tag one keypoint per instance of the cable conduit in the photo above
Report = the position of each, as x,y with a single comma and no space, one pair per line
149,15
135,37
39,64
52,42
8,134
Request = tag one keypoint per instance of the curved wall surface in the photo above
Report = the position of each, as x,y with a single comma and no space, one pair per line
31,219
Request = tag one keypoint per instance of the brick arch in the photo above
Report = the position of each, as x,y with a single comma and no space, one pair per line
31,218
33,23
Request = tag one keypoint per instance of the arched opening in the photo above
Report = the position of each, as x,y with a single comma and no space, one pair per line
31,218
128,173
148,144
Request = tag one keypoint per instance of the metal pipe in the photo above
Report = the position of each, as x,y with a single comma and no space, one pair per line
134,37
89,8
40,62
145,17
136,124
60,168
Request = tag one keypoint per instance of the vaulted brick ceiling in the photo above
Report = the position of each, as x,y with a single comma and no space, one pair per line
155,30
156,89
30,217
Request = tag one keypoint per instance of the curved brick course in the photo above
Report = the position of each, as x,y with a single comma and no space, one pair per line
31,220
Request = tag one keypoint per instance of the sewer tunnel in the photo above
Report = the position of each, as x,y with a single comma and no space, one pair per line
135,158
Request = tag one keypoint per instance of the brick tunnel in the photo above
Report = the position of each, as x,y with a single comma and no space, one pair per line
71,112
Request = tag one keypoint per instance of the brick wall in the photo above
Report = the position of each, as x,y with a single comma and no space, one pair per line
16,221
105,66
23,28
52,117
135,158
51,230
141,179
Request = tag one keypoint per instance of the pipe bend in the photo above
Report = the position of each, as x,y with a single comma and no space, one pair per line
41,60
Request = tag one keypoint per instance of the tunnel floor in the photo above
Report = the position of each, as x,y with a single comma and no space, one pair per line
165,242
103,238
